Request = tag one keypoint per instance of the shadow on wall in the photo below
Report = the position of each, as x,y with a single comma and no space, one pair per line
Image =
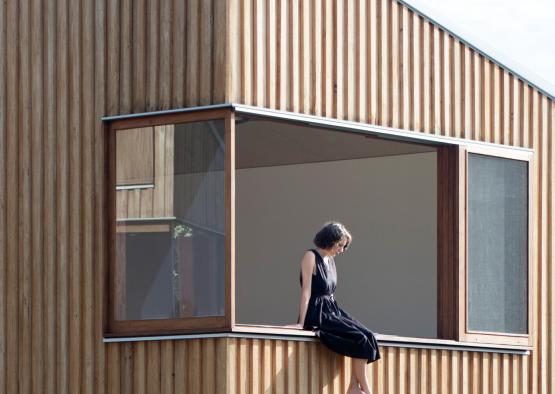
307,368
310,367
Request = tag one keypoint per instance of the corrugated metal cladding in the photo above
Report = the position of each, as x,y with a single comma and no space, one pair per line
65,64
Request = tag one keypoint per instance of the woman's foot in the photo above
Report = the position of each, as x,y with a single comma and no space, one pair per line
354,390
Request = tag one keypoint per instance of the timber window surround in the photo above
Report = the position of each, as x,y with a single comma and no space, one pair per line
495,286
497,245
442,227
168,247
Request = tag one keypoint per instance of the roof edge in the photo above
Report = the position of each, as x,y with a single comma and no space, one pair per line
457,30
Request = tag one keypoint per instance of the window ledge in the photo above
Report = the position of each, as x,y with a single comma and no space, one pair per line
448,344
296,334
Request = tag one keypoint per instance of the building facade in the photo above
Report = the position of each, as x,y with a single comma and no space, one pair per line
67,65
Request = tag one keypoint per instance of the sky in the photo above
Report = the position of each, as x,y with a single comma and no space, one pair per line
522,31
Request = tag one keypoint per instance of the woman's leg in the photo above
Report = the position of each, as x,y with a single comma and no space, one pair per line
353,385
359,370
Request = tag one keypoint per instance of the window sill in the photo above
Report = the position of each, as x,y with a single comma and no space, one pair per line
296,334
448,344
393,340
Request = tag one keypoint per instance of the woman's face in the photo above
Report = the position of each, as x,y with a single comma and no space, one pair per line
339,247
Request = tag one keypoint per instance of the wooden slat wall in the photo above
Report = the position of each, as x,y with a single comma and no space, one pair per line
185,366
276,366
63,65
377,61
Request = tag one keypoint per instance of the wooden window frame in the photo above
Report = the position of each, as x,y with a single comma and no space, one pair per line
225,323
452,156
447,241
451,246
462,332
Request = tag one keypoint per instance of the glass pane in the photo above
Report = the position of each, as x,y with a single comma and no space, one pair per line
170,234
497,244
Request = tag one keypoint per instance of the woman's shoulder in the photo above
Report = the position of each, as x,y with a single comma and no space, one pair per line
308,262
310,253
309,256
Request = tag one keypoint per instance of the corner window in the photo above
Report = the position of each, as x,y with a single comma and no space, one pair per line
211,211
168,269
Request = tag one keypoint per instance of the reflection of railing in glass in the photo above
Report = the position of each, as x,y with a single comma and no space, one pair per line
170,244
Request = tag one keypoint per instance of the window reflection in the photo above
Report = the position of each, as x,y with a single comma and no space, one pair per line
170,225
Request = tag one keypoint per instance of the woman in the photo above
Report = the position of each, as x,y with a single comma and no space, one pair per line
319,311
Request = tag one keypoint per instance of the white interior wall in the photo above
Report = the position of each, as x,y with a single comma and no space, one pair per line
387,279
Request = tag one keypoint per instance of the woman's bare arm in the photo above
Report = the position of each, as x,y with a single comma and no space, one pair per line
308,264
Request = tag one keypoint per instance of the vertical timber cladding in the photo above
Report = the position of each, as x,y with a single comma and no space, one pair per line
63,66
377,61
281,366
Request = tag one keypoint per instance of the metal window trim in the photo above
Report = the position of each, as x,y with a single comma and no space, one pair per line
111,118
335,124
405,343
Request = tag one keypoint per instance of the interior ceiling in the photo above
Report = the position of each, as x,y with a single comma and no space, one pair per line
261,143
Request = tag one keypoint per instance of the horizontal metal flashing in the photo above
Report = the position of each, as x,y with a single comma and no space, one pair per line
468,38
210,335
438,344
165,112
336,124
366,128
418,343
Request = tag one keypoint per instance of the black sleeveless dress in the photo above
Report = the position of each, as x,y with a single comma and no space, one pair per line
336,329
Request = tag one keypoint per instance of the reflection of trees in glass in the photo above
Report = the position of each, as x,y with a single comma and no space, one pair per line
197,271
182,296
183,231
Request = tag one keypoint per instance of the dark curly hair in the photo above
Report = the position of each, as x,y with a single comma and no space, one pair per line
331,234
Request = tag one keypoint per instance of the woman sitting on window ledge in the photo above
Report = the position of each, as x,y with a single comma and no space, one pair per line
319,311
